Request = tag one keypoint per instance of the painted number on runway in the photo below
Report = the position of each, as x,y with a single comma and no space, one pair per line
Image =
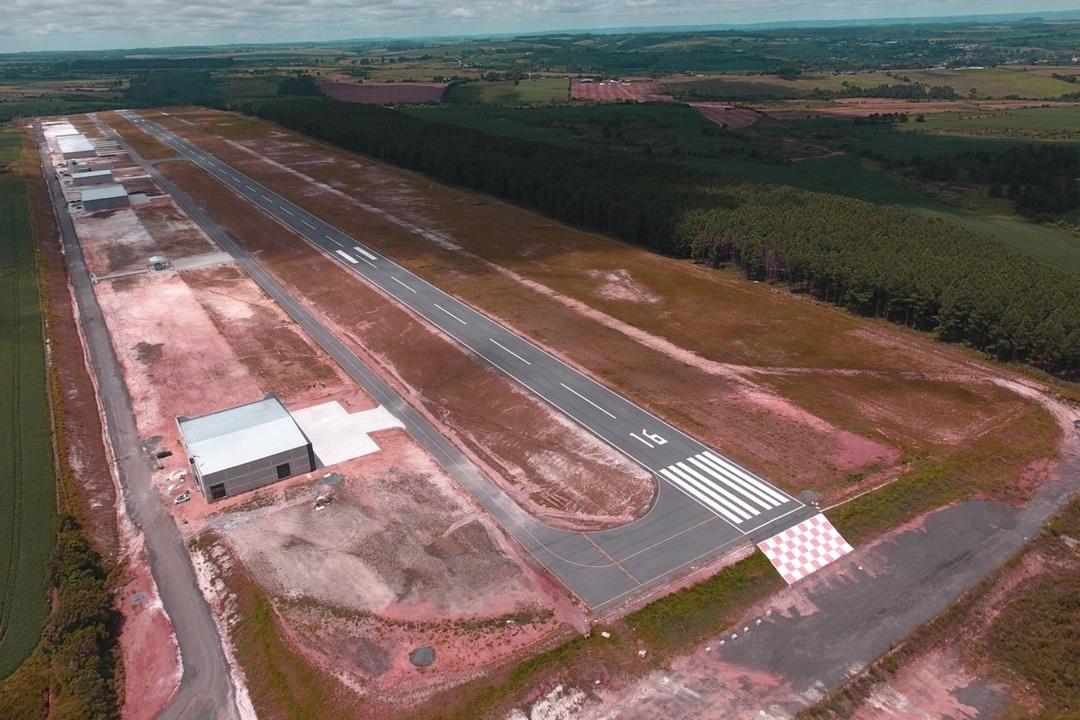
649,439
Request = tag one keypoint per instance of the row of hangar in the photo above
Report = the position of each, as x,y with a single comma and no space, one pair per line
86,168
230,451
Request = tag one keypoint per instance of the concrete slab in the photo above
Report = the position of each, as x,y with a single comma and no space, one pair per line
337,435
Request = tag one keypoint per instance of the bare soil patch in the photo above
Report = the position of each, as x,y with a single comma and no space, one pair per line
609,90
384,93
726,115
399,560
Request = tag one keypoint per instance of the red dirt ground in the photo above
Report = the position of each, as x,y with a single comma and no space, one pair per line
726,115
151,656
608,90
552,468
384,93
635,319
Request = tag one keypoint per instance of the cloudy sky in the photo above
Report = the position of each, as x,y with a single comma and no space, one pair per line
97,24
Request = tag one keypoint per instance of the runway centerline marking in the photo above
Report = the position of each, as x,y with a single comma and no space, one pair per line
440,307
587,400
308,224
510,351
336,242
412,290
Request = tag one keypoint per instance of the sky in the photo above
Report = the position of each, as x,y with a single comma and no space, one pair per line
97,24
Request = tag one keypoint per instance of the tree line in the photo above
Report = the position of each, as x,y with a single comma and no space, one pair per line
75,672
926,273
1042,179
898,91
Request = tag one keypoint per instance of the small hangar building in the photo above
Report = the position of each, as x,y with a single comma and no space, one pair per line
92,177
104,198
244,448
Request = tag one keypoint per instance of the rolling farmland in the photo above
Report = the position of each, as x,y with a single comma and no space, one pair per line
26,467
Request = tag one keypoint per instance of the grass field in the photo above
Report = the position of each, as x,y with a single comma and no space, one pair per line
1048,123
26,461
508,92
10,144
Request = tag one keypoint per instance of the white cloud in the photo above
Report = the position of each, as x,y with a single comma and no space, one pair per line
95,24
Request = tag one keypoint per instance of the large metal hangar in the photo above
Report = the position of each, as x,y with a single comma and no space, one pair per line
243,448
104,197
75,146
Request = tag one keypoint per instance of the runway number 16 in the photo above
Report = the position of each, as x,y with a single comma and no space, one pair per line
654,437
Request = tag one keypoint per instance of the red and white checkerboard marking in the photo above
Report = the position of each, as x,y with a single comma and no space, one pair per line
804,548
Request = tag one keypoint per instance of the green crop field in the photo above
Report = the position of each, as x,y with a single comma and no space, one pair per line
507,92
26,458
1046,123
10,143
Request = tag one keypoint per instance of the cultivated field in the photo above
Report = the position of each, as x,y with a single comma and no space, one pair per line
862,107
1002,82
385,93
26,457
509,92
608,90
1054,122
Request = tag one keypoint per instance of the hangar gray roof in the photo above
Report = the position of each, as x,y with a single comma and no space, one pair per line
90,173
106,191
240,435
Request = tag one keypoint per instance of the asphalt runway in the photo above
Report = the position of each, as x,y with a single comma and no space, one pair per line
706,503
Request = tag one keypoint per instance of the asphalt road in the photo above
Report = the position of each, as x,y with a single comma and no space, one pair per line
706,505
206,691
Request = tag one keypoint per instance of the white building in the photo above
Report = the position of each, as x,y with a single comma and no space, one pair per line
75,146
104,198
54,130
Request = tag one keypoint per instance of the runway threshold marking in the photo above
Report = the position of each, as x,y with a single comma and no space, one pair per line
723,487
364,252
587,400
510,351
347,256
440,307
